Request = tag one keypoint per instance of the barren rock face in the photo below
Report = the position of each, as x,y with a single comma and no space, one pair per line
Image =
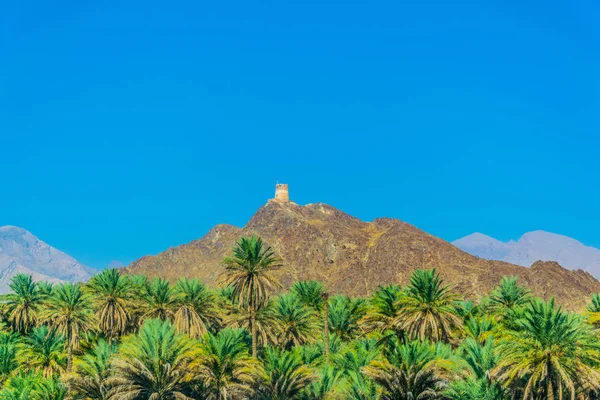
351,256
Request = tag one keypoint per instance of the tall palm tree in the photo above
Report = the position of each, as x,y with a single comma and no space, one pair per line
42,351
250,272
68,311
158,300
23,303
90,380
428,309
112,296
551,353
286,376
310,293
153,365
297,324
409,371
264,320
226,371
195,306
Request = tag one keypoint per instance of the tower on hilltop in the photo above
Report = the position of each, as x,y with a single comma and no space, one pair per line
282,194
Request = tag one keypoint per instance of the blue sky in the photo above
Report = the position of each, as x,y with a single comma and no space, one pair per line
127,129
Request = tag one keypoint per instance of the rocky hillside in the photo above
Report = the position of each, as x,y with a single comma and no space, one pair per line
22,252
350,256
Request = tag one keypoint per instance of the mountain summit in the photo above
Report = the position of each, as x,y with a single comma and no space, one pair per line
22,252
351,256
534,246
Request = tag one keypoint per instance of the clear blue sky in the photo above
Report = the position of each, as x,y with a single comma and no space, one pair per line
127,129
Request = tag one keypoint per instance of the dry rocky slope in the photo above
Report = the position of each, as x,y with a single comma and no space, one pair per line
350,256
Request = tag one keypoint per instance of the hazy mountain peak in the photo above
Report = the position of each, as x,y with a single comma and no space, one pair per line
534,246
478,237
23,252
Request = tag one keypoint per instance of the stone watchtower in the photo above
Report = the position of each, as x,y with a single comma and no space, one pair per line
282,195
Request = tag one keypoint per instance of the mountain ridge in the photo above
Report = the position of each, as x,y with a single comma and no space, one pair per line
350,256
23,252
533,246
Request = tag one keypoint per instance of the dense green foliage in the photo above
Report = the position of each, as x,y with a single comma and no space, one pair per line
125,337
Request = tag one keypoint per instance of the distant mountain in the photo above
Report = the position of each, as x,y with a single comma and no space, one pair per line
354,257
534,246
115,264
22,252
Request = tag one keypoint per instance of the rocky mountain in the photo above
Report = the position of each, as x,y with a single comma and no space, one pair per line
351,256
534,246
22,252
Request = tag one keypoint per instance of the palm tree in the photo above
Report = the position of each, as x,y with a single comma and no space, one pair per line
45,289
310,293
354,357
325,297
23,304
32,386
593,310
226,371
286,375
68,311
8,352
249,272
325,387
158,300
297,324
409,371
195,308
480,328
264,318
508,299
357,354
428,310
90,380
384,310
42,351
550,353
51,389
153,365
474,382
112,294
344,315
471,388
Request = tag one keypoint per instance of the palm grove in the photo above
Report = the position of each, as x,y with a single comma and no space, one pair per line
130,338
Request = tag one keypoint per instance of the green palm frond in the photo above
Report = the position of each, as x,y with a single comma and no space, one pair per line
428,309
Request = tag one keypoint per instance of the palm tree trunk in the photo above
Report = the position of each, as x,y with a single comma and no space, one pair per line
69,350
326,325
253,329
